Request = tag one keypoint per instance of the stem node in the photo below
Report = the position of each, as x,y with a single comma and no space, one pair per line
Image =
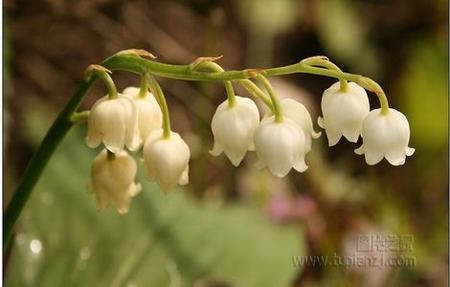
137,52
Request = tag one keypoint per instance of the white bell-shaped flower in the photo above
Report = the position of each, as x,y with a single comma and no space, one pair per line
115,123
385,135
233,129
280,146
149,112
166,159
300,115
343,112
112,180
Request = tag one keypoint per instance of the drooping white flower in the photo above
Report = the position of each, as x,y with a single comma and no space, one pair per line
113,122
281,146
112,180
166,159
233,129
299,114
149,112
385,135
343,112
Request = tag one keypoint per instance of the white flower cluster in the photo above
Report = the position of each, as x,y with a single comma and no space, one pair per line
281,142
282,145
385,135
135,122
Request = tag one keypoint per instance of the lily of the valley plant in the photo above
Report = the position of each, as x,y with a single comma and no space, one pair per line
137,120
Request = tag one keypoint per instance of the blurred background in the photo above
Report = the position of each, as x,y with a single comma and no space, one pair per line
229,226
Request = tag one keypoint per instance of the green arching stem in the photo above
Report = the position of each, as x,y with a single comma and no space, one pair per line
256,91
157,91
144,87
109,83
141,66
276,107
228,85
306,69
134,64
364,82
324,62
247,84
376,88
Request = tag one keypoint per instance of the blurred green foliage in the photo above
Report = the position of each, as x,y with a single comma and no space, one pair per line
165,239
268,16
425,93
344,36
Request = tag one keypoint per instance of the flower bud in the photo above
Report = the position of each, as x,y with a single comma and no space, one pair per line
280,146
233,129
299,114
112,180
113,122
149,112
343,112
385,135
166,159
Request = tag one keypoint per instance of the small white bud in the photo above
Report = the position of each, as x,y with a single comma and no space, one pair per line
166,159
343,112
385,135
112,180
